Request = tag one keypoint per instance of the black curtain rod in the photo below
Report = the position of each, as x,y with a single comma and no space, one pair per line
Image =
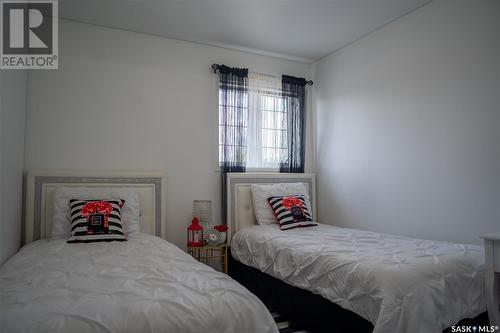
215,67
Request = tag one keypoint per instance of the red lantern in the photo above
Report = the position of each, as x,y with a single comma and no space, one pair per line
195,233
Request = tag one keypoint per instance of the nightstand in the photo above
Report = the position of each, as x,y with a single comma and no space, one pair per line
492,275
210,254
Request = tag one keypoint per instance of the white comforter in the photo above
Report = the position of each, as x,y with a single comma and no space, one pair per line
399,284
143,285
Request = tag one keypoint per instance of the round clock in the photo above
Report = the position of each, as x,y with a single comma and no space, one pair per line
214,238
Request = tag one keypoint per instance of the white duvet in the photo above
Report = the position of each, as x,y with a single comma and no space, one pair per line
399,284
143,285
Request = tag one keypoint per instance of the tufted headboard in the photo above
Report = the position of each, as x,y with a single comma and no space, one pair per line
39,195
240,212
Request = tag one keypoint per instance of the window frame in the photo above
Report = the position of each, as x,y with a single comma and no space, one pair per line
271,166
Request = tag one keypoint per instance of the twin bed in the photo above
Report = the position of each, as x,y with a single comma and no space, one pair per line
370,281
327,277
142,285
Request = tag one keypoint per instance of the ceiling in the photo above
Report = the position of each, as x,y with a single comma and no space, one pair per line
298,30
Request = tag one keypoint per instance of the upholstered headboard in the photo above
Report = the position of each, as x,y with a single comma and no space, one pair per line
39,194
240,212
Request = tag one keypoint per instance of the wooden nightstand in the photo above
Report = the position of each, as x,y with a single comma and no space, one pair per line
210,254
492,275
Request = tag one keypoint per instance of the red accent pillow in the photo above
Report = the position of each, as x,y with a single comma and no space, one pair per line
291,211
96,221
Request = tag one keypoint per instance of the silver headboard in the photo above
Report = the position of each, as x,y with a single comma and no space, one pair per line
39,194
240,212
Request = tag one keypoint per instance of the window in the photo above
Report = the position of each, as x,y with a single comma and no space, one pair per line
263,124
261,121
273,132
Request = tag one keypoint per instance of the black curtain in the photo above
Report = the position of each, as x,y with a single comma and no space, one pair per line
294,96
233,120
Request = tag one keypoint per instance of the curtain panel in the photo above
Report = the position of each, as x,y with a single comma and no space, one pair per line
233,124
233,118
294,96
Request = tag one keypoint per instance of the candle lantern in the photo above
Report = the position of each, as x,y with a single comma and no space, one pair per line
195,233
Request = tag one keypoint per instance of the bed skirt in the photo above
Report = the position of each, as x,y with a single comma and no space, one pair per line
306,309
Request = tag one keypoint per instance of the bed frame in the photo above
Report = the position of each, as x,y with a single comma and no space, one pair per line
308,310
39,195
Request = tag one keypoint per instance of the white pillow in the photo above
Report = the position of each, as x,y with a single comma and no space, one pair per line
61,224
260,193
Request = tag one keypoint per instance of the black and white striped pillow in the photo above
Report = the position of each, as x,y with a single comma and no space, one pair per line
96,221
291,211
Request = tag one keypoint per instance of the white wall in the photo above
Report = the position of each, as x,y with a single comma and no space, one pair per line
12,122
408,125
127,101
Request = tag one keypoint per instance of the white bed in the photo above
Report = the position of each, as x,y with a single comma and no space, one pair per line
399,284
142,285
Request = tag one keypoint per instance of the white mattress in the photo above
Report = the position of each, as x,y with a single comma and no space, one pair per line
399,284
143,285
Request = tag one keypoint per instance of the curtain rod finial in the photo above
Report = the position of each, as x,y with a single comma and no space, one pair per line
310,82
215,67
